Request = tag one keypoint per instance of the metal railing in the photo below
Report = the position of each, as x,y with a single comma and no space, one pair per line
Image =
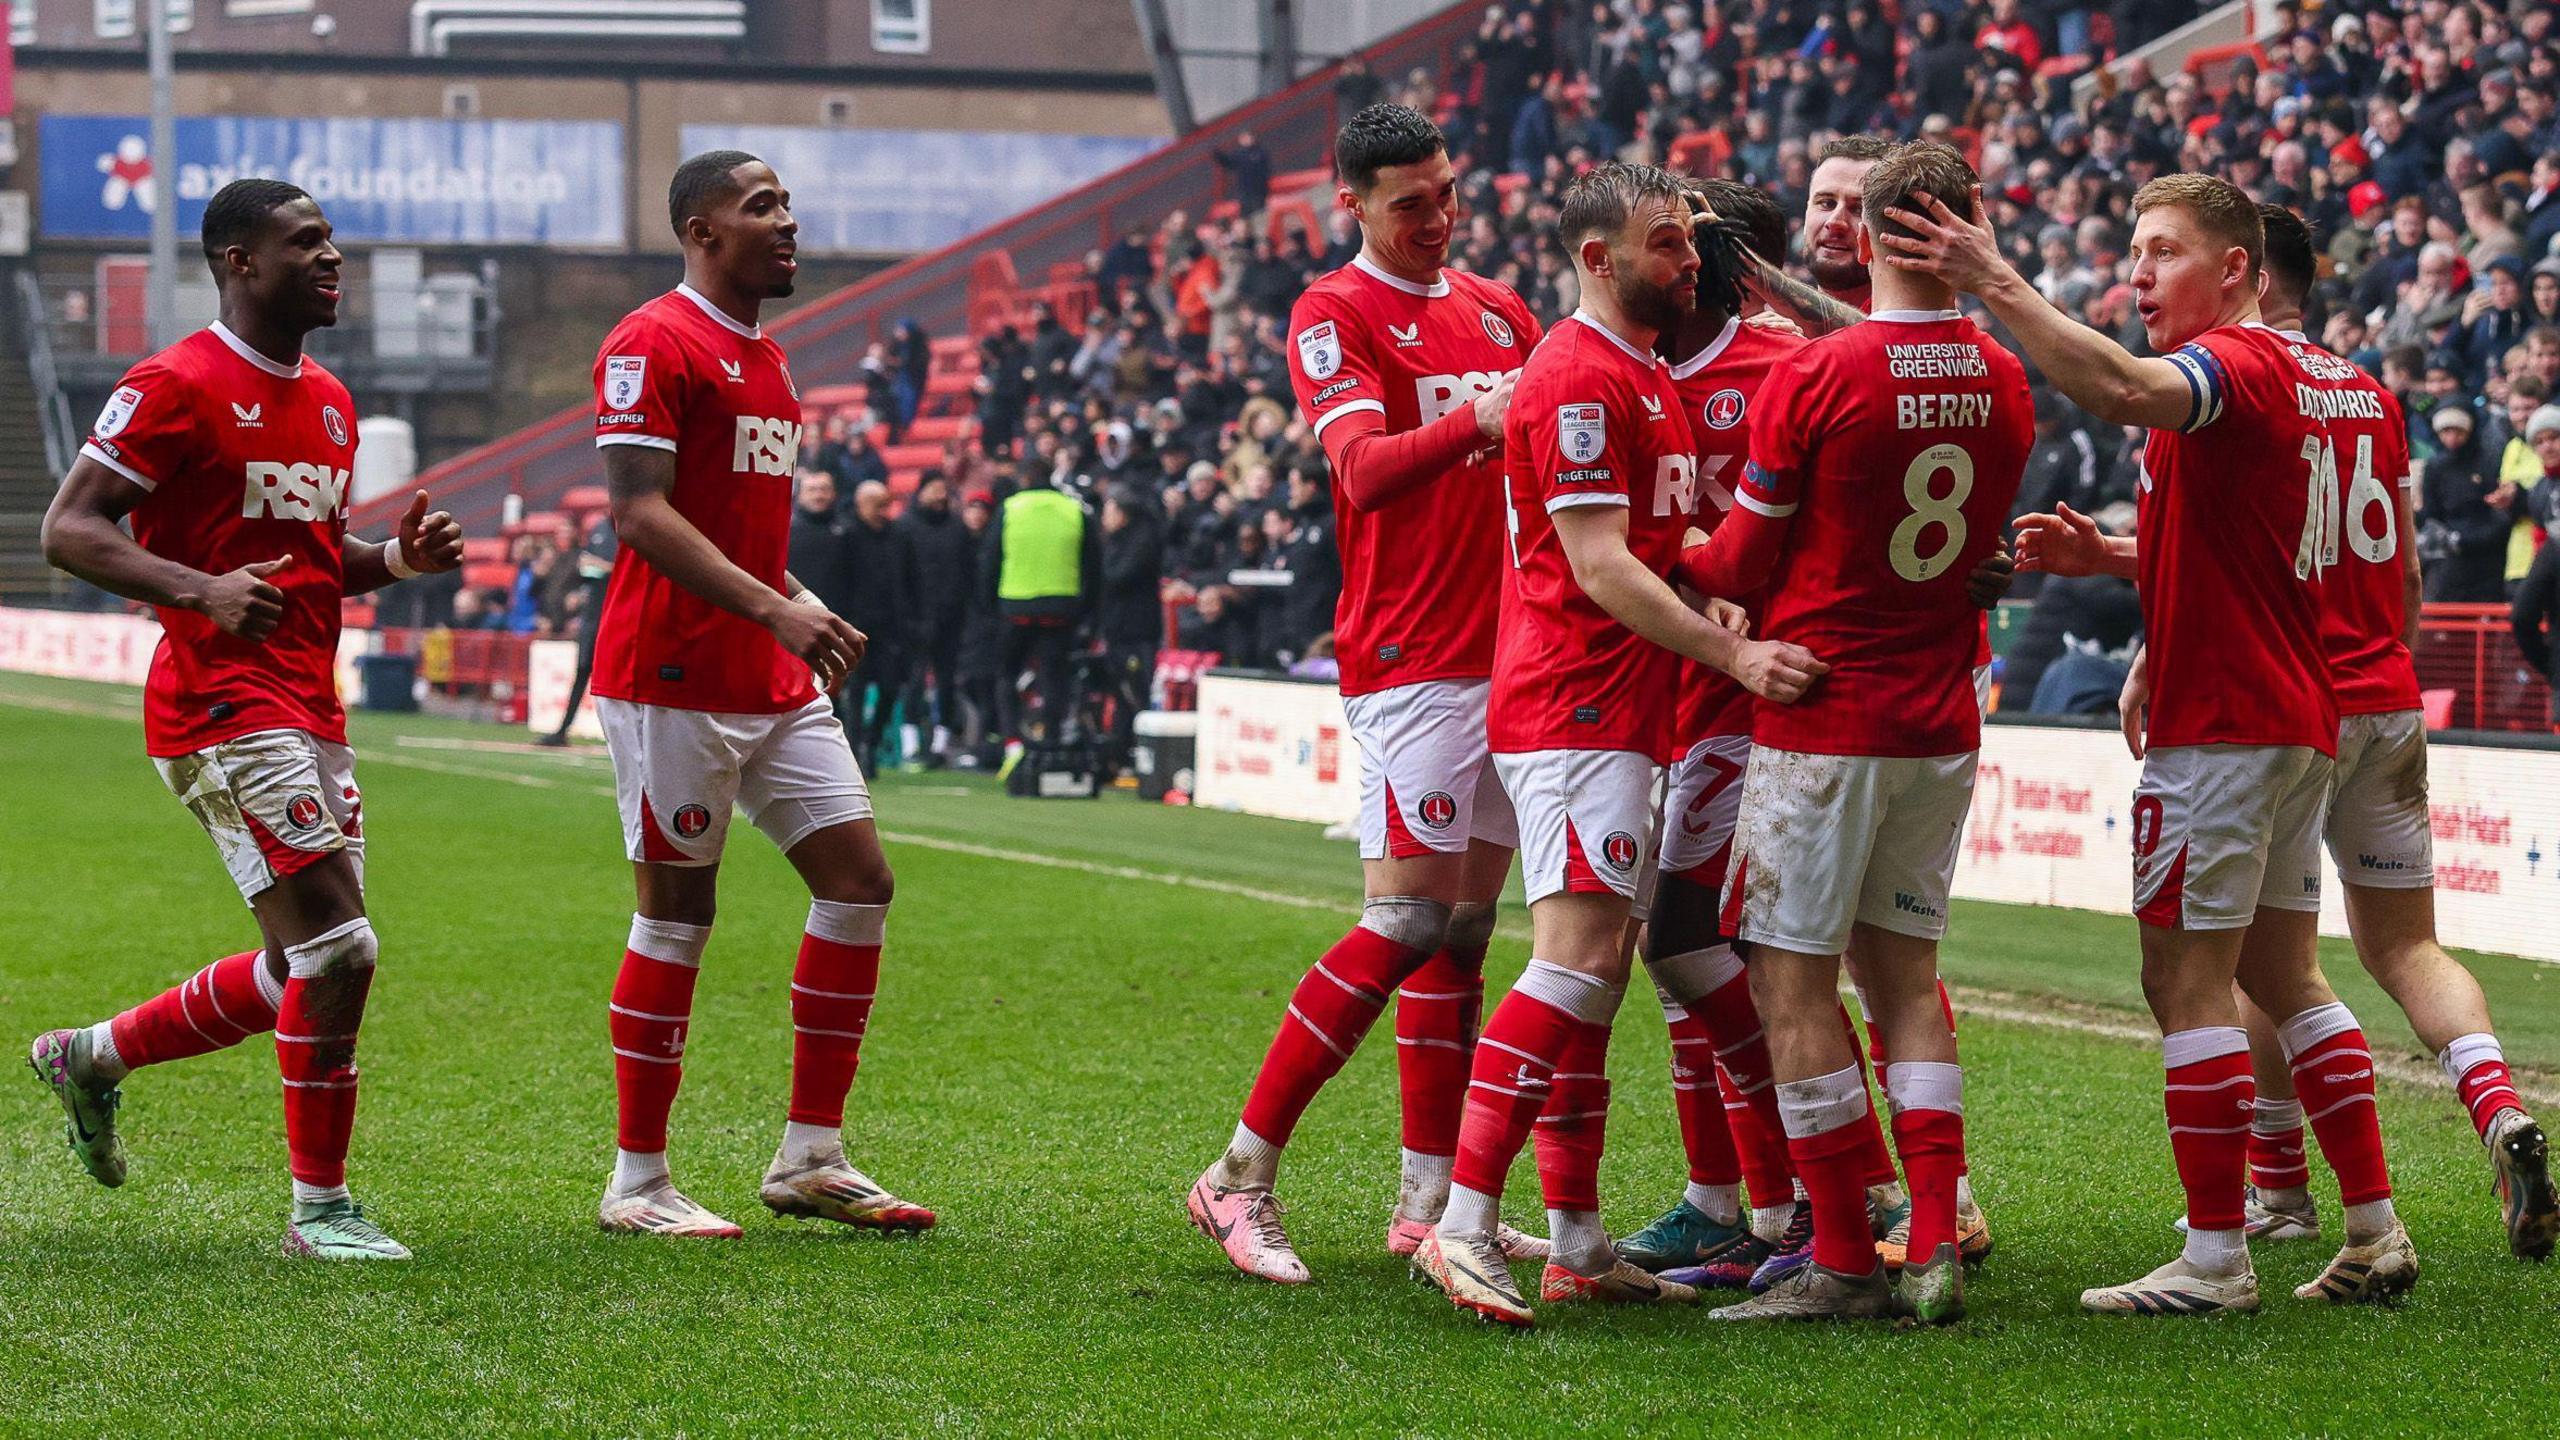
53,407
826,338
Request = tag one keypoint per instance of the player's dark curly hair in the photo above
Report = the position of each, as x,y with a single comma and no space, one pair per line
1764,225
1379,136
2292,265
239,211
703,182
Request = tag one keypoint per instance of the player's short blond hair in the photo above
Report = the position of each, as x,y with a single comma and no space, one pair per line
1908,172
2223,209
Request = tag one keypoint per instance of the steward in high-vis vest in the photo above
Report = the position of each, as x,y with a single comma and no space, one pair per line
1041,562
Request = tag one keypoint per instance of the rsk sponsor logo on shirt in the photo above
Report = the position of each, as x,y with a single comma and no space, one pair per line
118,412
765,447
1437,395
246,416
1582,432
1407,336
293,492
622,376
1320,350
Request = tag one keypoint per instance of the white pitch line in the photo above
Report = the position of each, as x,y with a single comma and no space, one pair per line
1988,1004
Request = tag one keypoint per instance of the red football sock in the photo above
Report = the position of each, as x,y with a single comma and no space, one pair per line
1436,1012
2478,1069
651,1010
1768,1172
1928,1131
316,1053
1514,1063
1750,1099
1573,1126
1706,1136
831,989
2208,1095
1834,1173
1879,1160
216,1008
1333,1008
2276,1161
2334,1077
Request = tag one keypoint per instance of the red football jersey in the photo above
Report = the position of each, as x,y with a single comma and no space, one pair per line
2230,551
245,460
2363,602
678,375
1890,452
1419,574
1595,421
1717,386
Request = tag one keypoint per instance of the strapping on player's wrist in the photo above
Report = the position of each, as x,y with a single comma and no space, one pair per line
396,560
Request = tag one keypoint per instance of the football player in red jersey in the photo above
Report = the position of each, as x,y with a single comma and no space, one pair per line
1719,1056
1883,460
1601,480
704,654
2231,707
2377,827
1404,367
231,451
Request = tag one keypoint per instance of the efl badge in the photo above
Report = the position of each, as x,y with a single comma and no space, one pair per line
302,812
1497,330
118,414
1724,409
1583,431
1619,850
1437,810
622,380
1320,351
334,423
691,820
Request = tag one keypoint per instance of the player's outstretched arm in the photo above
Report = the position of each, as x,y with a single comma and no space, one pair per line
426,543
82,538
2067,542
1595,544
2099,375
639,479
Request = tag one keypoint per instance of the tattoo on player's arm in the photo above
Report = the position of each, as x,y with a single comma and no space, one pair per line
635,472
1818,313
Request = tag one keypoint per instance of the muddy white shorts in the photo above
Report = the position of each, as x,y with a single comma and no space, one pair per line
1825,842
1426,782
676,774
2377,830
274,801
1586,820
2220,830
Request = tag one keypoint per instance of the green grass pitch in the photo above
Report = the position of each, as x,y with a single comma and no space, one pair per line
1075,997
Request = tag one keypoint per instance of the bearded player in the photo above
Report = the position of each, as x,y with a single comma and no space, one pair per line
1601,482
2226,820
704,656
2377,827
231,452
1405,368
1883,460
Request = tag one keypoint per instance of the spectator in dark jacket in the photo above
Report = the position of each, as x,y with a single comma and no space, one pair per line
820,558
1130,618
881,604
2462,535
852,459
945,559
1306,550
1248,165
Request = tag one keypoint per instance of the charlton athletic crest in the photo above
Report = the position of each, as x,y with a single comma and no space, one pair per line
1320,351
1582,431
1437,810
622,380
1724,409
334,423
1497,330
692,820
302,812
1619,850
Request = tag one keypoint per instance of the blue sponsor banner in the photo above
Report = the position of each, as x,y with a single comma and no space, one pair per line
405,182
901,191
